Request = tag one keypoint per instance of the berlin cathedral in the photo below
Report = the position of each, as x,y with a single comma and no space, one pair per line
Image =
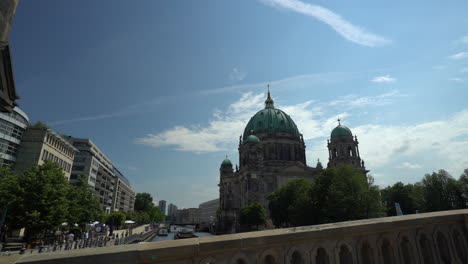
271,154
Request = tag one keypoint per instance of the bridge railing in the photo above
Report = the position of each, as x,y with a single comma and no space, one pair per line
439,237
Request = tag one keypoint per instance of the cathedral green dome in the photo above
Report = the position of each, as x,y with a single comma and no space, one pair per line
341,130
270,119
226,161
253,139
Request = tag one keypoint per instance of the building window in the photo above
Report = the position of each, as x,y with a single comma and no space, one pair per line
44,155
78,168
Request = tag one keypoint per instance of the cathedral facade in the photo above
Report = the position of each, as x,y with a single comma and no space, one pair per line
271,154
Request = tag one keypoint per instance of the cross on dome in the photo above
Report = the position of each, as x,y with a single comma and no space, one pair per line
269,102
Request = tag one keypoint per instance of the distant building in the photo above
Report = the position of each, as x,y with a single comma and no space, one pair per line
40,144
162,206
92,164
12,127
207,211
171,212
187,216
124,195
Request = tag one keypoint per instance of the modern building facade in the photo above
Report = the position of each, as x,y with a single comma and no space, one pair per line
92,164
271,154
162,206
207,213
124,195
12,127
171,212
40,144
188,216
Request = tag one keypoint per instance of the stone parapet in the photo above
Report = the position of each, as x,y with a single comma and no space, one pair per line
438,237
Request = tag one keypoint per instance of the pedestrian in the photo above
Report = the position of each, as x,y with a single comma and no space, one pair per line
117,236
71,237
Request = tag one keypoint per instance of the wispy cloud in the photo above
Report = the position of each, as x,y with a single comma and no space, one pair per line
294,82
457,80
340,25
237,75
354,101
464,70
132,168
459,56
124,111
409,165
439,67
383,79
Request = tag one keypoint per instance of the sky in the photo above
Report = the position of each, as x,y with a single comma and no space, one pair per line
165,88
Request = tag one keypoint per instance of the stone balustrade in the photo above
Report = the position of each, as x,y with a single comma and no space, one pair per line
439,237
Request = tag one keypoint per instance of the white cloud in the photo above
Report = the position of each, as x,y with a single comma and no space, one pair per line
442,140
464,70
456,80
459,56
218,135
353,101
408,165
237,75
443,143
340,25
382,79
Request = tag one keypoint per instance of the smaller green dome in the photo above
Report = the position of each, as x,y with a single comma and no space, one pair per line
226,161
253,139
341,130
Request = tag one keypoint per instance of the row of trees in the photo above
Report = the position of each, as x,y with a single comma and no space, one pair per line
336,195
435,192
344,193
144,212
41,200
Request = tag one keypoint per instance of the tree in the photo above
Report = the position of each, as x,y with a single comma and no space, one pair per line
253,215
337,194
344,193
442,192
40,124
143,202
155,214
409,196
464,187
83,205
43,205
290,205
145,211
116,218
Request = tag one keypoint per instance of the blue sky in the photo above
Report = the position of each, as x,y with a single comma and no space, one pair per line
165,88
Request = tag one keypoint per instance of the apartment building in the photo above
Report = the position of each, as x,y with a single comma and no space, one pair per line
94,166
40,143
124,195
